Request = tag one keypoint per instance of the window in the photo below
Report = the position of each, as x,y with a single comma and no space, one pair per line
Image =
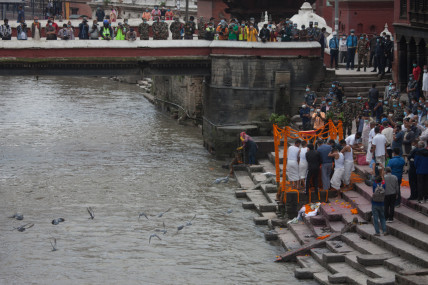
359,28
403,9
74,11
372,29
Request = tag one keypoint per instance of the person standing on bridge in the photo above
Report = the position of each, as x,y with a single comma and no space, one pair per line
209,32
100,14
143,29
6,30
251,33
36,31
146,15
21,31
94,32
175,29
156,13
120,35
189,28
351,44
50,31
106,31
84,30
222,30
21,14
169,15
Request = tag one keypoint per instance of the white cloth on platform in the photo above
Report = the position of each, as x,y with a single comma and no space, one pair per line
303,163
339,171
293,170
349,167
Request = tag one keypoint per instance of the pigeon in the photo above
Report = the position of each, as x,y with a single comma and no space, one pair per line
54,248
179,228
152,236
164,231
142,214
229,211
91,213
57,221
222,180
17,216
189,223
161,214
24,227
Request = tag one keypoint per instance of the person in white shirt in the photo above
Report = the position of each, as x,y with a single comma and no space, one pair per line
303,164
371,136
388,132
379,146
353,140
339,168
425,82
349,162
343,50
292,164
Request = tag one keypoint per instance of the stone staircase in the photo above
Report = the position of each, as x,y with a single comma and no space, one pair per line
355,84
354,257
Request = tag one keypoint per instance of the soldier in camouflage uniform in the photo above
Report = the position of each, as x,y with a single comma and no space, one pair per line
295,33
201,28
317,32
157,29
398,111
189,29
363,50
303,34
143,29
348,116
310,31
175,29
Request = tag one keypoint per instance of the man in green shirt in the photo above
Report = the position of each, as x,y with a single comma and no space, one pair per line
233,32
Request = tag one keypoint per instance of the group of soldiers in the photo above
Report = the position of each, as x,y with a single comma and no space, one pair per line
289,31
380,47
160,30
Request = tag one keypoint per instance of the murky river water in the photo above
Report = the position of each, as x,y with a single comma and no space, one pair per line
70,143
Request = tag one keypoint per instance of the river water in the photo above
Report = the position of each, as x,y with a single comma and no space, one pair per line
68,143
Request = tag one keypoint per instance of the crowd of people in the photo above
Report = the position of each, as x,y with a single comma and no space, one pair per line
232,30
390,134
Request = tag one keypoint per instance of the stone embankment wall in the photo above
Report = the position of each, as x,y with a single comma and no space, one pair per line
182,90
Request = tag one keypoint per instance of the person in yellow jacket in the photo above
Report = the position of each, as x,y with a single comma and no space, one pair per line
120,35
251,33
242,32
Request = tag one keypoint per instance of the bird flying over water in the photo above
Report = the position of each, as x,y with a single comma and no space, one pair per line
91,213
229,211
57,221
142,214
161,214
54,248
152,236
179,228
189,223
17,216
24,227
164,231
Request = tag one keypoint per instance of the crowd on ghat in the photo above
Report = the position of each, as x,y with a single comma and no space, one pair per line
390,134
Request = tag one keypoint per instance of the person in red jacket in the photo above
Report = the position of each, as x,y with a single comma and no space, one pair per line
416,71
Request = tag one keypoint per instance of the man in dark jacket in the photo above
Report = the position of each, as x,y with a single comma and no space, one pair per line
100,14
389,52
373,96
380,55
84,30
313,158
413,177
264,34
421,164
